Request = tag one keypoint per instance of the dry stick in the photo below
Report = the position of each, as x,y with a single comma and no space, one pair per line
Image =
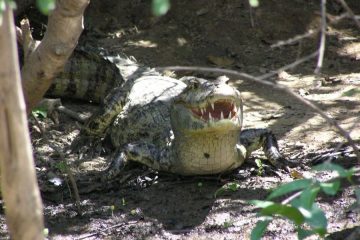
310,33
322,38
350,12
252,22
289,66
77,116
246,76
106,229
295,39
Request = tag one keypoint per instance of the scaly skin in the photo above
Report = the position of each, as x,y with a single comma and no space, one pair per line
189,126
192,129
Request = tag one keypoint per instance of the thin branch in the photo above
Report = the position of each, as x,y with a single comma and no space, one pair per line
295,39
252,22
19,35
28,43
322,38
106,229
289,66
246,76
350,12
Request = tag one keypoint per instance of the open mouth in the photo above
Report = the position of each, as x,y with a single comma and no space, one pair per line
215,111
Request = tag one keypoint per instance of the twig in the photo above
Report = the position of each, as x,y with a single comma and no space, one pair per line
27,41
19,35
295,39
322,38
350,12
246,76
106,229
77,116
289,66
252,22
332,20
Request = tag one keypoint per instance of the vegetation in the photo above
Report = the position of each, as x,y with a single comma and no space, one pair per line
301,207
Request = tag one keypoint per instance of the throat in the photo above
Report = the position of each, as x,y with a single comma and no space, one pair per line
206,153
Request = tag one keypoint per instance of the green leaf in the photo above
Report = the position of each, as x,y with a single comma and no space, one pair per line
290,187
232,186
317,220
2,5
160,7
308,196
259,230
342,172
258,163
261,204
330,188
357,194
271,208
351,92
39,112
302,233
289,212
45,6
46,232
254,3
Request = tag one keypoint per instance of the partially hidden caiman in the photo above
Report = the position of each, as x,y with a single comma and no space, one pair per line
187,126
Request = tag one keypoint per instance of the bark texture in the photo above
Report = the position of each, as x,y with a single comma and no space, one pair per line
44,60
24,213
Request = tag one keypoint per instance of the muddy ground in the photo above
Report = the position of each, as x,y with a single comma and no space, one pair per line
147,205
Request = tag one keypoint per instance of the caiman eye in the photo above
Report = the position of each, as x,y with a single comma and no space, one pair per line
223,80
194,83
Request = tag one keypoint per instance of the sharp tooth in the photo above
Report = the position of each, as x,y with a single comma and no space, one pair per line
202,111
221,115
212,106
210,117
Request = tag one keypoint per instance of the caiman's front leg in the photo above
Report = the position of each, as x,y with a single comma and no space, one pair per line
253,139
147,154
89,142
111,107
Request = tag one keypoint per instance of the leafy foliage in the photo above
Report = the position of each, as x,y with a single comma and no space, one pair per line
160,7
232,186
301,207
45,6
352,92
39,113
254,3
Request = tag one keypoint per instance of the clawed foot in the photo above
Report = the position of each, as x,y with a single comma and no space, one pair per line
88,146
118,162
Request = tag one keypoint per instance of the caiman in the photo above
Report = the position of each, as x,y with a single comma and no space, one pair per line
187,126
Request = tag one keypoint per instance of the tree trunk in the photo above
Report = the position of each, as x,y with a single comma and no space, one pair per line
44,60
24,214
